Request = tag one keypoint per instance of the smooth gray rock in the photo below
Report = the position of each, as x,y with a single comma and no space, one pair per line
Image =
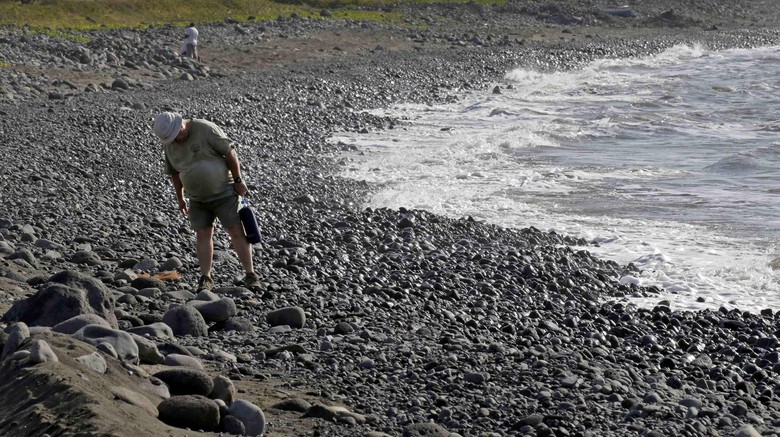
85,257
159,330
206,296
26,255
172,263
154,386
124,345
180,360
239,324
150,292
75,323
18,333
48,244
41,352
146,265
297,404
290,316
20,356
236,292
334,413
223,390
108,349
217,310
186,320
173,348
142,282
747,431
147,350
250,415
179,294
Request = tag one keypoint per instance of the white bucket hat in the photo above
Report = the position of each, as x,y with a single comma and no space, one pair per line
167,126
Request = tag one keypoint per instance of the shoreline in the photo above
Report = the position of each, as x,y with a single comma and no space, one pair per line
697,256
411,317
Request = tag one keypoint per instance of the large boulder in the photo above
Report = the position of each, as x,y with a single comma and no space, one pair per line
295,317
223,389
186,381
16,335
41,352
186,320
190,411
67,294
250,415
147,350
216,310
73,324
121,342
178,360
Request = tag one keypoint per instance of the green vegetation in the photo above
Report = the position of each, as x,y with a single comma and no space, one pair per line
358,15
93,14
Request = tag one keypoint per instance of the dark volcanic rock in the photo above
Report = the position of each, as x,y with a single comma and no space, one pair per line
191,411
186,320
186,381
68,294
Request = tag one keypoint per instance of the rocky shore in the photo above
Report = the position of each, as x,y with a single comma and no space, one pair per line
370,322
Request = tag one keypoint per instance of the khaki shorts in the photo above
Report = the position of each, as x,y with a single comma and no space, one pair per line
202,214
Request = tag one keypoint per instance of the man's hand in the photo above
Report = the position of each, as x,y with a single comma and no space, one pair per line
183,207
241,188
178,188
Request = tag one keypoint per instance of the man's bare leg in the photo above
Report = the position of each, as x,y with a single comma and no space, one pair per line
242,247
204,247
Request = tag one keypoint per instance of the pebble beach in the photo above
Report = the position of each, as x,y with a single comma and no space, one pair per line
369,322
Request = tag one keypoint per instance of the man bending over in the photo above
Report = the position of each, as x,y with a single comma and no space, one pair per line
202,162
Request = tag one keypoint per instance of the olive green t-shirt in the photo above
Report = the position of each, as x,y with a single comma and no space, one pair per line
200,162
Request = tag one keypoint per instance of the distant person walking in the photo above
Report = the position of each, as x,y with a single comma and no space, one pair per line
191,43
202,162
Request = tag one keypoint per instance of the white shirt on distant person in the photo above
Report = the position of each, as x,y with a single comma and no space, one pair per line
192,35
192,38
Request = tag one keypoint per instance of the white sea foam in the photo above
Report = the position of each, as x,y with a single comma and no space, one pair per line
664,161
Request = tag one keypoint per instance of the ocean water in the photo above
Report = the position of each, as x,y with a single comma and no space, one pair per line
670,162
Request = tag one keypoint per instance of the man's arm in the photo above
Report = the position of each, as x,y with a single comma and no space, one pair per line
178,188
231,159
